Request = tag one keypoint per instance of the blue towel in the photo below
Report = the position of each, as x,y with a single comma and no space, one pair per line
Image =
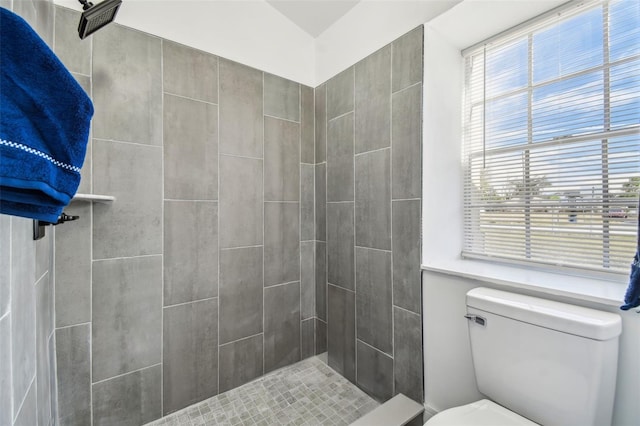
44,125
632,296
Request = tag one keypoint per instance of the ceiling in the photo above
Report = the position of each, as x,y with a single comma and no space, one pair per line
313,16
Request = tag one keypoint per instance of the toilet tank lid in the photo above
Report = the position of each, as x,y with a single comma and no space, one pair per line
576,320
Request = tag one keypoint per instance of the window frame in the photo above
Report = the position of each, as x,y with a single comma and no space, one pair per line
527,31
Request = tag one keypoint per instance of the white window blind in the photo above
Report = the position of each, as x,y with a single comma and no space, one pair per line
551,150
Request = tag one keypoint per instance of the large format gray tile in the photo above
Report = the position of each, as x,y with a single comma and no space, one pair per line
127,315
320,107
44,20
281,325
190,354
406,255
127,86
28,416
375,372
5,263
281,243
189,72
341,331
73,361
307,125
44,329
373,199
53,379
307,202
5,371
407,59
23,308
281,97
241,205
373,298
307,279
307,332
240,109
132,225
407,364
407,141
321,280
74,53
85,172
190,251
281,160
240,292
190,149
340,94
240,362
73,268
321,202
373,101
340,159
321,336
44,255
129,400
340,245
27,10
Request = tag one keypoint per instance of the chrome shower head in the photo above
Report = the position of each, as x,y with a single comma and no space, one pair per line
95,17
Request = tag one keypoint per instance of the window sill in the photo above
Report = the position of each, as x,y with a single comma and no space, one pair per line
597,290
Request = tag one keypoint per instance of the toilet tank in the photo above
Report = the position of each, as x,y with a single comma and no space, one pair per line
550,362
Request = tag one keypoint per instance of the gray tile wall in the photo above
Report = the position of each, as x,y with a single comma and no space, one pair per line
368,189
27,339
237,193
201,275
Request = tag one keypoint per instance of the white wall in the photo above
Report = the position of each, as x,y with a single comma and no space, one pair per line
367,27
247,31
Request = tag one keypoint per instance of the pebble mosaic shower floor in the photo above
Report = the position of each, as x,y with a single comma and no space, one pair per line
305,393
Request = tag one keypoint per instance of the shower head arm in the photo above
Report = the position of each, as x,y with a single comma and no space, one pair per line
85,4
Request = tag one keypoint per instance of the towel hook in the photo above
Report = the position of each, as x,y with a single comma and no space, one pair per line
39,225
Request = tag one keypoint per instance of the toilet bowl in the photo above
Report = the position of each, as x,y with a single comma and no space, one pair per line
479,413
539,362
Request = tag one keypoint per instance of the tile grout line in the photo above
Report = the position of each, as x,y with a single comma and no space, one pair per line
240,339
64,327
108,259
175,95
406,310
162,220
91,254
244,156
344,114
374,348
405,88
372,151
138,144
127,373
393,335
353,210
264,245
24,399
300,214
9,312
282,118
206,299
218,225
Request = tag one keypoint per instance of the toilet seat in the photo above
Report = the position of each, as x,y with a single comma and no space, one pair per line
479,413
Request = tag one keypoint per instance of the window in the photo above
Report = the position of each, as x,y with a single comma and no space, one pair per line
551,151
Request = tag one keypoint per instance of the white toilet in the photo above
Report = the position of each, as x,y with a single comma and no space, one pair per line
539,361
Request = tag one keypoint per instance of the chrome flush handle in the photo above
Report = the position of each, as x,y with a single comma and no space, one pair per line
477,319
